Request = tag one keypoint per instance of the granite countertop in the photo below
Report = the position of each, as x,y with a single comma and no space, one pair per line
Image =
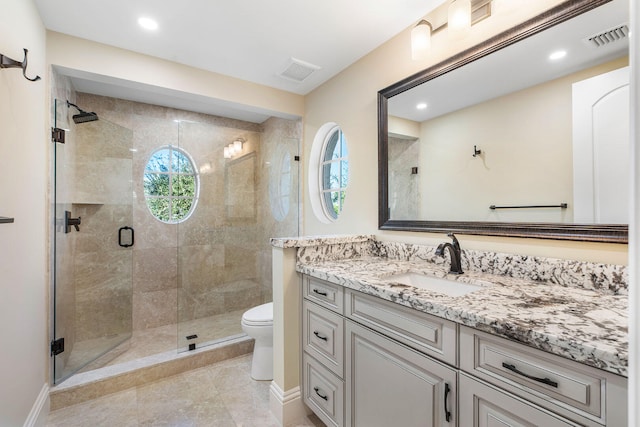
582,325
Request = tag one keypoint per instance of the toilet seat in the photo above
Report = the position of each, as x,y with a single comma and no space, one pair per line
261,315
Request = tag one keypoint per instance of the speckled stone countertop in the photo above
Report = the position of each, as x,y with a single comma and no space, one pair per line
584,325
307,241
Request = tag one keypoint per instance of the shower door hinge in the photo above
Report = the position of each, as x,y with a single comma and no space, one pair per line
57,135
296,158
57,346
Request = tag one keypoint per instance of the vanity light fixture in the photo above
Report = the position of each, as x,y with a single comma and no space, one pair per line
233,149
458,16
148,23
420,40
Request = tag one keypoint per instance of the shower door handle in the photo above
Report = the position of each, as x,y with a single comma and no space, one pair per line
125,245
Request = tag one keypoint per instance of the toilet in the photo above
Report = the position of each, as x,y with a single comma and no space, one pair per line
257,322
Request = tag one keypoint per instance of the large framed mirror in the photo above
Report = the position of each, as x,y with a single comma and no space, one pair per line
511,142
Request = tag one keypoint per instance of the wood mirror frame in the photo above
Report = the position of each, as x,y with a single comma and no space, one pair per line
558,231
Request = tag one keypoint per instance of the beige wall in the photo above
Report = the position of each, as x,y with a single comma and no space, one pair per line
23,178
349,99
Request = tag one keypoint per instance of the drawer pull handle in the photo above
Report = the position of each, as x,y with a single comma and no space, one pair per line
447,413
320,336
546,381
322,396
315,291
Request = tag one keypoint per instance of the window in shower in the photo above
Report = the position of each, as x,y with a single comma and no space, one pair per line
171,184
280,184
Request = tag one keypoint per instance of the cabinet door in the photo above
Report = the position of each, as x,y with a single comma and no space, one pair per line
482,405
389,384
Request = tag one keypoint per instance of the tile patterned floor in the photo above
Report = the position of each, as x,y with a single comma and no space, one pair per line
218,395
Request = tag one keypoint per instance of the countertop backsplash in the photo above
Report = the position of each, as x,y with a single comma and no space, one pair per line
610,279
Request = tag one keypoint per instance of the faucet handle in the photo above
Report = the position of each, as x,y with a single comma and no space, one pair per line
453,237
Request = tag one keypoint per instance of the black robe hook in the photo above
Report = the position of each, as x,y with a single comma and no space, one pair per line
6,62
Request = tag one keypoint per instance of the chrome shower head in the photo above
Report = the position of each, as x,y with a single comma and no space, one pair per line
83,116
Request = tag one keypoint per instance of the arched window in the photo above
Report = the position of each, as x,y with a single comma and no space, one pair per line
329,172
171,184
280,185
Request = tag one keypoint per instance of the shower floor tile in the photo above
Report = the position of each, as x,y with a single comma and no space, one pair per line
148,342
222,394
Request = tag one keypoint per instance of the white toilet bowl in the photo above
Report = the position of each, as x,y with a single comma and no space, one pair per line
257,322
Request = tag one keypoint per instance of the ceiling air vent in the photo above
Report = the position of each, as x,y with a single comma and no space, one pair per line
609,36
297,70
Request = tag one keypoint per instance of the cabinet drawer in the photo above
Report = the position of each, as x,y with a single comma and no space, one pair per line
429,334
555,382
482,405
323,336
323,392
324,293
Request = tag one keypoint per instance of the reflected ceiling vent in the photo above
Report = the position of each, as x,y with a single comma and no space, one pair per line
609,36
297,70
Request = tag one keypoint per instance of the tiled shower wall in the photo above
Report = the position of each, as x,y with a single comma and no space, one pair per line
404,184
220,258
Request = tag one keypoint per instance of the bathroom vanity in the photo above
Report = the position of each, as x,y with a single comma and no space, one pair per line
512,351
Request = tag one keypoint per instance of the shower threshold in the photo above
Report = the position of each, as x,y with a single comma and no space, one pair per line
151,354
99,382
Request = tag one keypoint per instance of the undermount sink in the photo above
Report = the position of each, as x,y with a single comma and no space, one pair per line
432,283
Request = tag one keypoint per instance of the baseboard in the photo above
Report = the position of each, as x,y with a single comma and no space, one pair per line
288,406
40,409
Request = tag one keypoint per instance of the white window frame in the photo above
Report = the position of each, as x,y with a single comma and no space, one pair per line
316,164
196,176
280,174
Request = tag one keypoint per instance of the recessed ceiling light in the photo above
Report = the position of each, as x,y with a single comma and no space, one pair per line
421,106
559,54
148,23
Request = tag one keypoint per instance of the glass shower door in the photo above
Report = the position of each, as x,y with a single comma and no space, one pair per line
93,204
224,252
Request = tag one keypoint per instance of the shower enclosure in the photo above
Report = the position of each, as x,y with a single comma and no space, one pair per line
162,236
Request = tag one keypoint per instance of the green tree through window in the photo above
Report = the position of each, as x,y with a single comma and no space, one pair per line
170,185
335,173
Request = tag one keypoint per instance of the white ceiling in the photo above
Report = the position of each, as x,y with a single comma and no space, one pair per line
253,40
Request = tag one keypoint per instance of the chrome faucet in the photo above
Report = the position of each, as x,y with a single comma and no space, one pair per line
454,252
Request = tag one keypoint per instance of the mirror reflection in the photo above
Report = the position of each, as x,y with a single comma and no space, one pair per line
536,132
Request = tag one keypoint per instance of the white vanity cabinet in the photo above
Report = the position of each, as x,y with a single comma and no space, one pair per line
483,405
379,374
323,350
389,384
504,375
369,362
